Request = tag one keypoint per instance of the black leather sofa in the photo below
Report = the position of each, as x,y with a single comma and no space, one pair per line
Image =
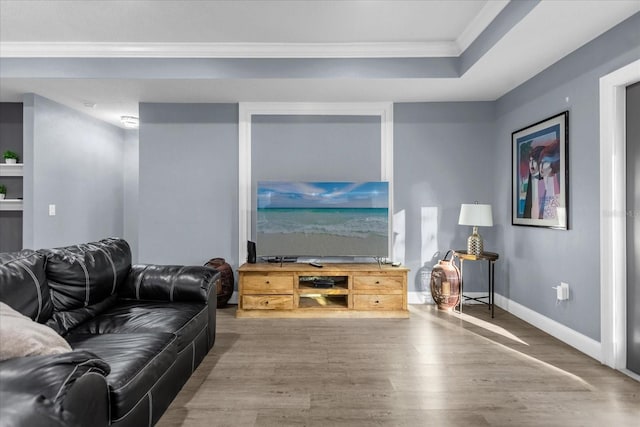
137,334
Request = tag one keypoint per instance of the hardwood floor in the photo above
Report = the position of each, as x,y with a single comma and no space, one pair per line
433,369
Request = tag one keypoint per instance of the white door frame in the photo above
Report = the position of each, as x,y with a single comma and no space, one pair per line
613,268
248,109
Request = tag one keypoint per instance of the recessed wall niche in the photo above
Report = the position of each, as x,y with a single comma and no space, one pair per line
11,134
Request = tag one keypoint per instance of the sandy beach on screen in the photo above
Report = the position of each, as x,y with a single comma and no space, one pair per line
301,244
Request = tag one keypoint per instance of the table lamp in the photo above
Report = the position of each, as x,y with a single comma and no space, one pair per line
477,216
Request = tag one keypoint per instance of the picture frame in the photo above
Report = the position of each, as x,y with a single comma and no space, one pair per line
540,173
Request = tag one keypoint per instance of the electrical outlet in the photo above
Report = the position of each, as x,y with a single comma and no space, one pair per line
52,210
563,291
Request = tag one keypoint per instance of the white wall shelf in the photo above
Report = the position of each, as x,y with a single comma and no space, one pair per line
11,205
11,170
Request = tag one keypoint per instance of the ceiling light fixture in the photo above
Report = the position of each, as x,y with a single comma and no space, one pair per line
130,122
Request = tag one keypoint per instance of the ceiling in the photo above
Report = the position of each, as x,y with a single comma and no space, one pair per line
300,50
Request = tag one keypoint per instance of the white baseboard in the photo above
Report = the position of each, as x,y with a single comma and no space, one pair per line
234,298
581,342
631,374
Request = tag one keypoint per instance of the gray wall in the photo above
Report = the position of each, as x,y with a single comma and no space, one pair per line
131,161
442,158
315,148
432,142
537,259
76,163
188,183
11,139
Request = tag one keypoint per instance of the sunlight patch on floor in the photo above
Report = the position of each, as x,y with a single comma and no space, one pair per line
503,332
544,364
491,327
478,322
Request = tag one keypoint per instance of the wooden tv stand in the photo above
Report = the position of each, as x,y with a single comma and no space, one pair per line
335,290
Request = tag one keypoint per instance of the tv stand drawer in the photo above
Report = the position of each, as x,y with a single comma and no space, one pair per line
256,283
377,283
267,302
377,302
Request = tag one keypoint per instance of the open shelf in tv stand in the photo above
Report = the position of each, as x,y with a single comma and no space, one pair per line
288,290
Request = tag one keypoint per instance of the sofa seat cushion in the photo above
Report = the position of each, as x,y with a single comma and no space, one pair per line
186,320
137,362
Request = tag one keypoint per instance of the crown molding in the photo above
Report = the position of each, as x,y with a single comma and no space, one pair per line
480,23
427,49
227,50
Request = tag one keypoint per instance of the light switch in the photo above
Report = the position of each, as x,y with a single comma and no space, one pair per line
52,210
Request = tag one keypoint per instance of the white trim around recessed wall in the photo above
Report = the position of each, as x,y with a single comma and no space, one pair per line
248,109
613,276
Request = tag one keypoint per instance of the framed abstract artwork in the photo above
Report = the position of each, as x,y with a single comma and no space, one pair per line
540,174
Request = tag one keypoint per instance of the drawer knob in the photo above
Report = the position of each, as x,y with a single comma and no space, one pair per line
266,302
377,302
267,282
377,282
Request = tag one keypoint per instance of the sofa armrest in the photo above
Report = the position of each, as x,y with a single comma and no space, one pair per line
64,389
171,283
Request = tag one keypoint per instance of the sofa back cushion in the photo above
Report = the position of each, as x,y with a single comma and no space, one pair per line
23,284
84,278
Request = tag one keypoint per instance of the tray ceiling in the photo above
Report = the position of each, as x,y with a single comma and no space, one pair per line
311,51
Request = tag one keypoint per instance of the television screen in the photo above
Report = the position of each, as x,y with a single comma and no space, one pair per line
322,219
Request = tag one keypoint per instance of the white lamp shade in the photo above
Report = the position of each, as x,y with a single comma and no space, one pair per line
476,215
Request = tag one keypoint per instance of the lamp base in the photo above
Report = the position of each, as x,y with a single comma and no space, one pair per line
474,243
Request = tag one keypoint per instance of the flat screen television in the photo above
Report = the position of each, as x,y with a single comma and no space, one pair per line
322,219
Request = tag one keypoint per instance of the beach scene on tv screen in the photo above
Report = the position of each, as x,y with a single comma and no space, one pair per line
322,218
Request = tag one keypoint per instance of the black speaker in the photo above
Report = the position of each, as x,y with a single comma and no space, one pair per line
251,252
